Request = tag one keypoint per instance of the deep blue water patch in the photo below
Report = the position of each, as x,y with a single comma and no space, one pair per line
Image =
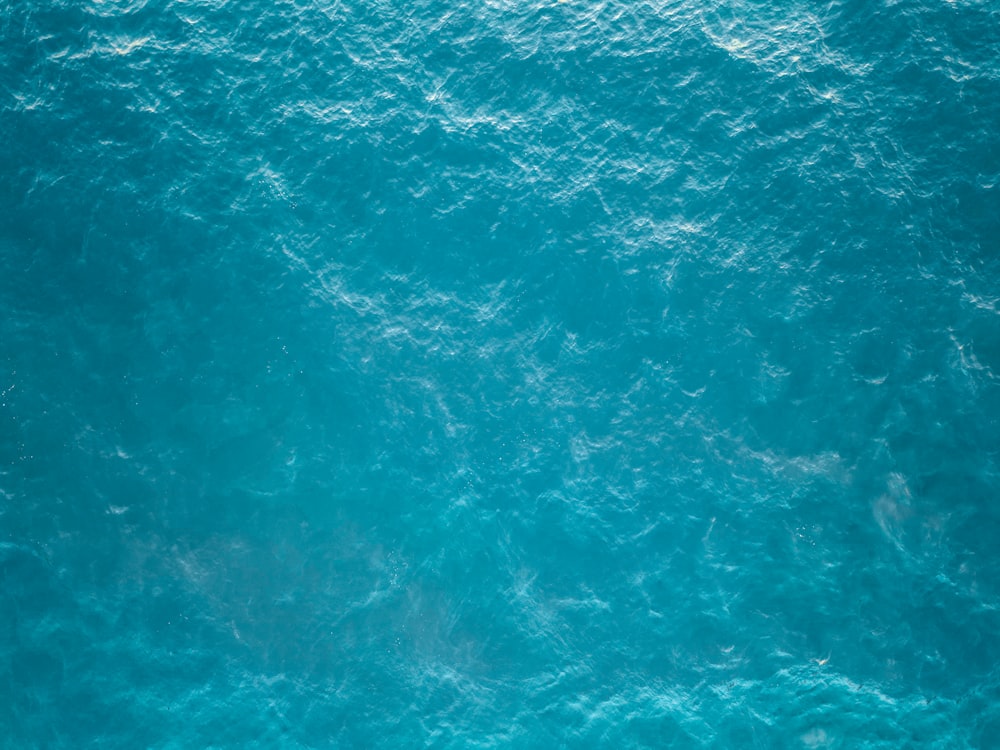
499,374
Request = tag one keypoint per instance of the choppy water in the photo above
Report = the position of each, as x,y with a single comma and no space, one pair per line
500,374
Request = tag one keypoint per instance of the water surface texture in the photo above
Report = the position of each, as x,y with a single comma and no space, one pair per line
500,374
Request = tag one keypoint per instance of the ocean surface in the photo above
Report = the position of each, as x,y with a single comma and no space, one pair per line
496,374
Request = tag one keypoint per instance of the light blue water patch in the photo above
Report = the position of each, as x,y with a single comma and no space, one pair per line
551,374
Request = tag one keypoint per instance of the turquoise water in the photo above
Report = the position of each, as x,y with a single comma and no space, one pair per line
500,374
